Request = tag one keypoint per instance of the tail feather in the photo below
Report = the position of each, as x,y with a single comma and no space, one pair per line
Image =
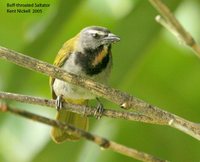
74,119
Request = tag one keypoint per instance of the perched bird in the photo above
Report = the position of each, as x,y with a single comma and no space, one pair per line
88,54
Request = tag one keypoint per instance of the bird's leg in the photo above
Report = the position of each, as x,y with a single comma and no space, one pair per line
99,110
84,109
59,103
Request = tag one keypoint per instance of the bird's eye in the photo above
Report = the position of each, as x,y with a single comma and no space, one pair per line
95,35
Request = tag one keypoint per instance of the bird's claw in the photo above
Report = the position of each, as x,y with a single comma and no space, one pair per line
99,110
59,103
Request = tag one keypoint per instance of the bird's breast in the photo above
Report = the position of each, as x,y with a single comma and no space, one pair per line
81,64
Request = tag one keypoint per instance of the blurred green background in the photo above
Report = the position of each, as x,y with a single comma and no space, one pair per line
149,63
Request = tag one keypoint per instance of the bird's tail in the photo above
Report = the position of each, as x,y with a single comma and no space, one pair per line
74,119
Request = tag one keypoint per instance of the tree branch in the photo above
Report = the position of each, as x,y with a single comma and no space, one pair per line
102,142
126,101
169,21
79,109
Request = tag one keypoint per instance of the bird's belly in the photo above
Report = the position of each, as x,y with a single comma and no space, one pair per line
70,91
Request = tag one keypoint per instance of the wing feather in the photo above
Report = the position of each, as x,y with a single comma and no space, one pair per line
62,56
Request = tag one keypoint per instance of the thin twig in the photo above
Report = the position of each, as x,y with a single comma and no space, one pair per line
102,142
169,21
79,109
125,100
90,111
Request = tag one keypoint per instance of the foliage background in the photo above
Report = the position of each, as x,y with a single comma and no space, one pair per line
148,63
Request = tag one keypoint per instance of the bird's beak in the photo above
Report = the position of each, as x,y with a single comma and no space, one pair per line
111,38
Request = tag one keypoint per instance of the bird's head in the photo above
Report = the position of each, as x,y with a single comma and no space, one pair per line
95,36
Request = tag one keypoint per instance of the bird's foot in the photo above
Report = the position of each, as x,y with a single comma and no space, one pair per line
99,110
59,103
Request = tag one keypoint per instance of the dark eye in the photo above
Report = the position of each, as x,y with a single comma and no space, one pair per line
95,35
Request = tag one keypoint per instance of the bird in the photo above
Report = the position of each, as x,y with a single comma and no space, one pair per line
87,54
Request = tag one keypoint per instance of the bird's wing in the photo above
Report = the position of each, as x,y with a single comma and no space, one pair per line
60,59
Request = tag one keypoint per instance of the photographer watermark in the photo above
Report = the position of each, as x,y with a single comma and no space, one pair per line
26,7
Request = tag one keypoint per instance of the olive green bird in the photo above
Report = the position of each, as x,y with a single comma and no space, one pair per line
88,54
